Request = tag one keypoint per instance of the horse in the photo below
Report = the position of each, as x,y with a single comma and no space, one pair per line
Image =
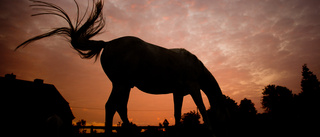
131,62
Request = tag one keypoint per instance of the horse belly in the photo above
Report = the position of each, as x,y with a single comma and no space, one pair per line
153,87
160,83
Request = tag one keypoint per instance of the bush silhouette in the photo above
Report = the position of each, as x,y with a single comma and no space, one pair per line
191,119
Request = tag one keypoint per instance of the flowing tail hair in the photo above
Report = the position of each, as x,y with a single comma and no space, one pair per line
78,34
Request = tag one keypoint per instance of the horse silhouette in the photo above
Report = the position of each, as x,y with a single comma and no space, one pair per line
129,61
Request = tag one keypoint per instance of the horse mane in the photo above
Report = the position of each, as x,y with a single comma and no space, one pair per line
79,33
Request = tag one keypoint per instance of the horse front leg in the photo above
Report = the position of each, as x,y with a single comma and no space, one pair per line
197,98
177,99
122,105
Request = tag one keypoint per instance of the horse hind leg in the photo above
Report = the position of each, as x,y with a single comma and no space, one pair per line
122,105
117,101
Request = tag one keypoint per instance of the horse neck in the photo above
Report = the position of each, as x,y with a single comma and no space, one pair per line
211,88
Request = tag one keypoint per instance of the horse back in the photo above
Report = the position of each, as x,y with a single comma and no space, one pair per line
148,66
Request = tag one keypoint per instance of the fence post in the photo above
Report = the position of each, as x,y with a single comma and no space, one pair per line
91,129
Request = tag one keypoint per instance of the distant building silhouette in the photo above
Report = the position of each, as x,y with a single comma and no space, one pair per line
34,108
165,123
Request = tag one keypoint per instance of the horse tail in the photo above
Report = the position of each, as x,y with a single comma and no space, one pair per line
79,33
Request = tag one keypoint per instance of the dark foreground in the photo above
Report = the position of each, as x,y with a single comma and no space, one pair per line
153,131
245,129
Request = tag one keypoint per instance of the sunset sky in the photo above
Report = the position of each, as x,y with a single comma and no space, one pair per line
246,44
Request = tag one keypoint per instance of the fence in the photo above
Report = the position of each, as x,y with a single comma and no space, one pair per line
94,129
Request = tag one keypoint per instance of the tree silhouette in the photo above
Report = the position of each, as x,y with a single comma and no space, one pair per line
286,113
307,101
231,105
247,110
309,83
277,100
